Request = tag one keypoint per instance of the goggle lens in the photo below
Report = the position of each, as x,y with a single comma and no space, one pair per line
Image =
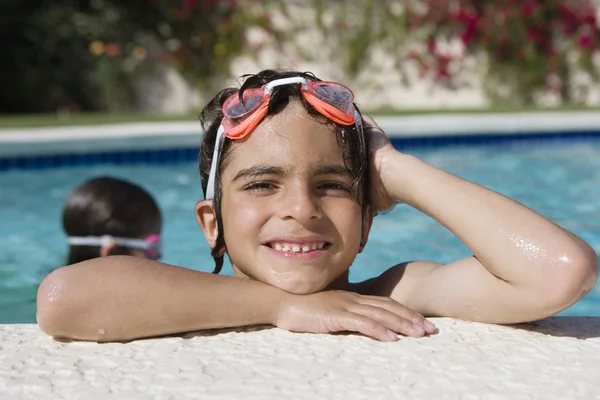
236,111
334,94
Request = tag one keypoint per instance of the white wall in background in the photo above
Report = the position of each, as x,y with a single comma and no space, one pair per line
165,91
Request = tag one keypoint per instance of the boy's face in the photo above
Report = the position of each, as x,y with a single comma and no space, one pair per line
290,215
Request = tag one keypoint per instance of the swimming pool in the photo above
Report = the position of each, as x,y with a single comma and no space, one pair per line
558,178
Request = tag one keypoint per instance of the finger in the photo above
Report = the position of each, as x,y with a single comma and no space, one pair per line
400,310
370,124
359,323
390,320
370,121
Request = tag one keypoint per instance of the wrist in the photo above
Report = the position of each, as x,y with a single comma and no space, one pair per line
396,171
278,306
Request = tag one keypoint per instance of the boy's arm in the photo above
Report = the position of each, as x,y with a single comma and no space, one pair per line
524,266
123,298
120,298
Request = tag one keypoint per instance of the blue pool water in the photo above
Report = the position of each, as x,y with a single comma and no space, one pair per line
559,179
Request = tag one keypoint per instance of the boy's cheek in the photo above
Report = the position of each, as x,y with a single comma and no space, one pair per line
239,209
248,217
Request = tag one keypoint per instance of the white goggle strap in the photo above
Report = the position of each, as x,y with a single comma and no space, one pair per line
210,186
284,81
104,240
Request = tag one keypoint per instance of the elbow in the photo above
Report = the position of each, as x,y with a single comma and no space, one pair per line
569,279
53,304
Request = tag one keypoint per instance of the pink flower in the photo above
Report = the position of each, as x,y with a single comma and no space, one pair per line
469,32
190,4
431,45
535,35
463,15
585,40
443,73
529,7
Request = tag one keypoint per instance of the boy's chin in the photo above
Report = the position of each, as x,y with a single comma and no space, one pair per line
300,288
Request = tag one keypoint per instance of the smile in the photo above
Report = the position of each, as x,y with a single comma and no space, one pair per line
291,247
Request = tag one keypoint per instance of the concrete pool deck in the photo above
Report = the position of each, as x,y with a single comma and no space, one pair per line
554,358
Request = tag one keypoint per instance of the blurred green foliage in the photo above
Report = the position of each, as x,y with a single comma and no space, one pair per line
83,54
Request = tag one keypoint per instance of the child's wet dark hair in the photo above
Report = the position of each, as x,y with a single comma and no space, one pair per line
356,158
108,206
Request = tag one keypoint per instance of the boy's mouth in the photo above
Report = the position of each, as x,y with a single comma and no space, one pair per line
291,247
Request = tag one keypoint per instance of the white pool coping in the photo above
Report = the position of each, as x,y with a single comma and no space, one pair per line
557,358
157,135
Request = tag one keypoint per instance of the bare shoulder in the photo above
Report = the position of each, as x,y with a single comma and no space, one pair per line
399,281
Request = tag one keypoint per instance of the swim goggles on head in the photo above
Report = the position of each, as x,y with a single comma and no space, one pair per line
332,100
151,245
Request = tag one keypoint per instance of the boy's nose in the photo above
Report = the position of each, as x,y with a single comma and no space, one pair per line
301,204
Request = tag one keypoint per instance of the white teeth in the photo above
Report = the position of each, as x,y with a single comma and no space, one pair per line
297,248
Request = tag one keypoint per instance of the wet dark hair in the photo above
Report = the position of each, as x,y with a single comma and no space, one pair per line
355,157
108,206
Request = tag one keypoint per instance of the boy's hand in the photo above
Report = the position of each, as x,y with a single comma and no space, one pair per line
380,149
337,311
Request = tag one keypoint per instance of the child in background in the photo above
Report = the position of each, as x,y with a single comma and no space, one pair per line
293,176
108,216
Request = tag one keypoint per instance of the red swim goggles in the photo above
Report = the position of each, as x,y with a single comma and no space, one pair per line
332,100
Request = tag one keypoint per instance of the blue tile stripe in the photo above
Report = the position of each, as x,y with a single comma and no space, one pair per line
488,139
162,156
179,155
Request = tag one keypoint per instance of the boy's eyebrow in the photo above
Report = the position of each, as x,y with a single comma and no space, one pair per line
258,170
332,169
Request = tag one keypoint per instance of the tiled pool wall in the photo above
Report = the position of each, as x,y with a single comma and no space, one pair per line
175,142
185,153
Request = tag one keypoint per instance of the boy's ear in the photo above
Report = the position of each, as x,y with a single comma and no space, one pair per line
207,220
367,223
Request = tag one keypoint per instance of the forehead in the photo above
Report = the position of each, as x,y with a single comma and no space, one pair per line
291,137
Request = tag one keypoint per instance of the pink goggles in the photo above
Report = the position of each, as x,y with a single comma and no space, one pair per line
150,245
241,116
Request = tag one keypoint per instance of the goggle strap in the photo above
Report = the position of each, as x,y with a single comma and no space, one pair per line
210,186
284,81
106,239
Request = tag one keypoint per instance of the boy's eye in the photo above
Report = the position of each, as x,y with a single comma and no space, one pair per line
330,186
336,186
259,186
